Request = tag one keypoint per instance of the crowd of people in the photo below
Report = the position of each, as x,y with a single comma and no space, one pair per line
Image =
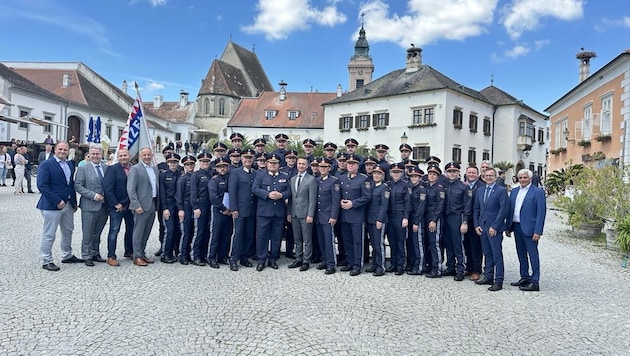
233,204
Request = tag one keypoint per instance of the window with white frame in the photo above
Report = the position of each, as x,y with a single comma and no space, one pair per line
428,115
345,123
293,115
270,114
606,117
417,117
48,127
362,121
380,119
587,123
423,116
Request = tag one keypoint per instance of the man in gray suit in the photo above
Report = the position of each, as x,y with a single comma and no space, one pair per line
89,184
44,155
142,188
301,212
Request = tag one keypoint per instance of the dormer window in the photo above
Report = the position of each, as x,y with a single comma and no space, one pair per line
293,114
270,114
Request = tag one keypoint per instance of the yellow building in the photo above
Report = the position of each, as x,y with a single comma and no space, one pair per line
587,123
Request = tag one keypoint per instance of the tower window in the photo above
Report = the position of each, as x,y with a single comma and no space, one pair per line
360,83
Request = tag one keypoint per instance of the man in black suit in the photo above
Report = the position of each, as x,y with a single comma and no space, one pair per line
115,189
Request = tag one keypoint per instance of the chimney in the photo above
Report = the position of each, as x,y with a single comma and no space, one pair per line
283,90
124,86
414,59
339,90
183,98
65,81
585,63
157,101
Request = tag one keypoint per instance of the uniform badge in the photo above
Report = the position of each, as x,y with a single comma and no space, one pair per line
470,193
282,180
442,195
409,190
386,194
336,187
423,197
367,184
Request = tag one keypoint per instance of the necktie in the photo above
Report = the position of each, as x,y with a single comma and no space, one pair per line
299,181
486,194
100,174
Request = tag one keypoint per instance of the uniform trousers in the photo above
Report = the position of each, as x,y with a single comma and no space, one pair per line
269,237
327,243
454,243
187,227
242,239
172,233
396,236
352,234
377,240
220,235
201,237
433,242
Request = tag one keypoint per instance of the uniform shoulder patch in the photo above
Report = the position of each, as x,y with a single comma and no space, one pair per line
367,184
442,195
470,193
423,196
409,190
336,186
386,194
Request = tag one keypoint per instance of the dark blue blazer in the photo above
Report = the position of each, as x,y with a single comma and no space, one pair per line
242,199
51,182
115,186
494,211
533,210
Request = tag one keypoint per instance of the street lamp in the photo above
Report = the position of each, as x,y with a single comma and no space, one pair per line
404,138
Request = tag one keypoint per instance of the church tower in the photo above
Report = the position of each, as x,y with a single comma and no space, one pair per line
360,67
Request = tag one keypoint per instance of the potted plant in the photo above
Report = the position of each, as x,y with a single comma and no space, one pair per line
587,206
618,207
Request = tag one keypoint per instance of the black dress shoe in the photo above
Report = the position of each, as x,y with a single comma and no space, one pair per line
378,273
371,269
183,261
260,267
295,264
73,259
495,287
355,272
321,266
433,275
273,264
414,272
400,272
98,258
197,263
89,262
484,281
448,273
520,282
305,267
233,267
330,271
246,263
50,267
391,269
459,277
530,287
346,268
213,264
168,260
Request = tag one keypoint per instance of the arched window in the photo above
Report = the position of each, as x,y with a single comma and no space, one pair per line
222,106
206,106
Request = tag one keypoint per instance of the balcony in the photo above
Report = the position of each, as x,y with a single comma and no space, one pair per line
524,143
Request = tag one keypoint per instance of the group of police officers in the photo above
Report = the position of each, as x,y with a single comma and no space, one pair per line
233,208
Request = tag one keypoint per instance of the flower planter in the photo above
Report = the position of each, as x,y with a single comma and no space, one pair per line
588,231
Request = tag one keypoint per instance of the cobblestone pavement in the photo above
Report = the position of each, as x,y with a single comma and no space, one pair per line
582,308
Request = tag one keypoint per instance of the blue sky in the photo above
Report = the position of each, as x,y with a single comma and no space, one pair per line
527,46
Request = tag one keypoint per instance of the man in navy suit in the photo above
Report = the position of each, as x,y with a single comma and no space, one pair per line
489,214
57,204
117,199
528,209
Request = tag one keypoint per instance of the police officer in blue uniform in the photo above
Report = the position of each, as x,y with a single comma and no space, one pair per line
415,232
234,155
237,140
259,148
272,189
381,158
355,194
405,152
309,146
328,204
377,220
330,150
243,207
221,215
219,150
290,168
281,147
351,149
162,167
341,171
457,210
433,220
399,206
200,202
168,212
184,209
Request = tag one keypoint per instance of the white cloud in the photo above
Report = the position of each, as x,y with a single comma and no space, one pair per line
517,51
540,43
156,3
428,20
277,19
606,24
153,86
525,15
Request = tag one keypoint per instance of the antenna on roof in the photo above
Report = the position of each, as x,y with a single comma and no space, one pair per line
254,47
362,18
491,80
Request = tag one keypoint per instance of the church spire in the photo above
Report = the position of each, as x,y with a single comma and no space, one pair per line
360,67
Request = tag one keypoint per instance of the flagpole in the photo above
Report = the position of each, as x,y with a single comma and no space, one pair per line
146,128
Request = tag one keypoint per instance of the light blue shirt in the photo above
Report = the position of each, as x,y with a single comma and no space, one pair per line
152,178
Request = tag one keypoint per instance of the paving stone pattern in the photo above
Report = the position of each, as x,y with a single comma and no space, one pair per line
582,308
